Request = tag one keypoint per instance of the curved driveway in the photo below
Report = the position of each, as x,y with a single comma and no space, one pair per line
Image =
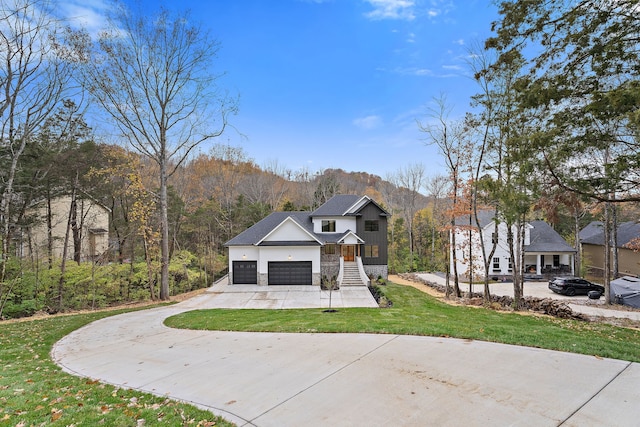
276,379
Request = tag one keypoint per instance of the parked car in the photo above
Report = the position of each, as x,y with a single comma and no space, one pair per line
574,286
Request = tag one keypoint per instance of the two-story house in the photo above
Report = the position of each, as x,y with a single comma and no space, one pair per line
345,239
545,251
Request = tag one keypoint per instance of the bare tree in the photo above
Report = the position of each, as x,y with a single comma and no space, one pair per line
409,181
278,184
437,188
305,186
33,79
450,138
153,77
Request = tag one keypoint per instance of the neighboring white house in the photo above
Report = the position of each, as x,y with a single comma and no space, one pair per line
545,251
93,224
345,238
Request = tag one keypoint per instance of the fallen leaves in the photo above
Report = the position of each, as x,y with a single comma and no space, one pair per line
56,414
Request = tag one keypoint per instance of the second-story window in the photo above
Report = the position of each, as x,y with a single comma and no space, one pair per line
371,225
328,226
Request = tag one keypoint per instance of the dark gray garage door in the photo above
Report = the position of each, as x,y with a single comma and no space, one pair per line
290,273
245,273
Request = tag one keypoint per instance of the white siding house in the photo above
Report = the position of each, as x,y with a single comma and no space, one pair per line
300,248
545,251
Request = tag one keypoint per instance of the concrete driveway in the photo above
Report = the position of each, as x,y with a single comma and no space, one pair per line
275,379
578,303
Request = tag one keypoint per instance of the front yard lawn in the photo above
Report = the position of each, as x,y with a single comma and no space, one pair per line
35,392
416,313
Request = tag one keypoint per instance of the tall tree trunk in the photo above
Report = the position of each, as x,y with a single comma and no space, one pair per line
615,266
164,240
607,253
454,249
577,262
454,259
76,231
5,208
63,263
147,258
49,231
487,258
517,290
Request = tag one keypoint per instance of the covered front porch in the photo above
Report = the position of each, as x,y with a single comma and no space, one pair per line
549,263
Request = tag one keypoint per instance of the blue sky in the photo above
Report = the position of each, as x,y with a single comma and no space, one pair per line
337,83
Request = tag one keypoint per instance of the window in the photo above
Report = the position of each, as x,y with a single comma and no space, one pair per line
329,249
496,264
371,251
556,260
328,225
510,265
371,225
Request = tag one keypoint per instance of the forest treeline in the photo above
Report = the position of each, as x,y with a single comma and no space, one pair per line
552,133
213,196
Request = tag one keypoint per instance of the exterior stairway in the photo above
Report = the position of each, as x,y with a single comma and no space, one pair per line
350,275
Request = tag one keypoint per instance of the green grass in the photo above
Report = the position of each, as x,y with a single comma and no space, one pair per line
35,392
416,313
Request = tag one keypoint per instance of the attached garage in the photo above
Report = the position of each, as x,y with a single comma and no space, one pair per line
245,273
290,273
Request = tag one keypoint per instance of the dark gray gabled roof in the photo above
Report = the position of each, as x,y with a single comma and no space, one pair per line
339,205
485,217
336,206
627,231
543,238
590,230
258,231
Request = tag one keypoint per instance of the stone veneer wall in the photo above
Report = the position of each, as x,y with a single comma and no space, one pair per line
330,270
376,270
329,265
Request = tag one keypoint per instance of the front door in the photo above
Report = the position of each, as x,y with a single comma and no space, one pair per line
349,253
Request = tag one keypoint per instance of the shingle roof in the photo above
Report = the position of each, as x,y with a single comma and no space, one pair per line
336,206
485,217
543,238
627,231
592,229
260,229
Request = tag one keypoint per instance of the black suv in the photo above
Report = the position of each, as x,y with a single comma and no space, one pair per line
573,286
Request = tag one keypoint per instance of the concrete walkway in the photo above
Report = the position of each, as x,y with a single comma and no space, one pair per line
275,379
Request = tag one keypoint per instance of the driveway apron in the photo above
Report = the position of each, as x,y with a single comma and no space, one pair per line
277,379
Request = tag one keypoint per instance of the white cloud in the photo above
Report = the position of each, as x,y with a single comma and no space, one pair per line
459,41
413,71
88,14
391,9
368,122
